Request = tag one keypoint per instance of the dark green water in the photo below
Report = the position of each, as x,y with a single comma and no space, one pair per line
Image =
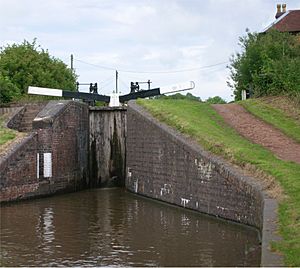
110,227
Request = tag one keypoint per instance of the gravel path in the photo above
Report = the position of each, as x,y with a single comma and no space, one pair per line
259,132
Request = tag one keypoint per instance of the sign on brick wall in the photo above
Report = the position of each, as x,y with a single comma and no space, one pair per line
47,165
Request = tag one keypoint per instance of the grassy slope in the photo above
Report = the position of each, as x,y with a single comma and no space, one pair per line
6,134
202,123
274,116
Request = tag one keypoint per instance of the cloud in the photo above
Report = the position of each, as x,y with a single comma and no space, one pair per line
157,35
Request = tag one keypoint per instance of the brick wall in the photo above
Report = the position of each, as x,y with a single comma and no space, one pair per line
63,134
18,170
5,110
164,165
54,158
24,115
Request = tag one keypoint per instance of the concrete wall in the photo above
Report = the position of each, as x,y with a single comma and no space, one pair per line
164,165
53,158
107,146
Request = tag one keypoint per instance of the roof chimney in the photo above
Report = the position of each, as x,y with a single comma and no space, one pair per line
279,12
278,8
283,8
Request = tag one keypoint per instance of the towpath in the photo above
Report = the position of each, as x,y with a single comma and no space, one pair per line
259,132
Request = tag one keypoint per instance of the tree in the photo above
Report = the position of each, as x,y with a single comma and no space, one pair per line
190,96
178,96
269,64
215,100
27,64
8,91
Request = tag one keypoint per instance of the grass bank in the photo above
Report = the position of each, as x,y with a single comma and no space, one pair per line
282,113
8,137
6,134
201,122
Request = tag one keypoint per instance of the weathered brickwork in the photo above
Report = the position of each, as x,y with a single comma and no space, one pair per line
22,119
18,172
63,132
107,146
164,165
5,110
53,158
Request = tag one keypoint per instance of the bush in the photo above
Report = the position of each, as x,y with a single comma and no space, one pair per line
27,64
178,96
215,100
8,91
268,65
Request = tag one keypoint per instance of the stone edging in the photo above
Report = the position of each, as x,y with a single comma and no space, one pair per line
269,216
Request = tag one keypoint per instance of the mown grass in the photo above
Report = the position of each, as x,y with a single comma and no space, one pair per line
6,134
201,122
273,116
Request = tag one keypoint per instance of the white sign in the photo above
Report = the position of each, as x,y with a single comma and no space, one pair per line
47,165
114,100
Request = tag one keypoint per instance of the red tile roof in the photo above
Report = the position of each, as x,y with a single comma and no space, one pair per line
288,22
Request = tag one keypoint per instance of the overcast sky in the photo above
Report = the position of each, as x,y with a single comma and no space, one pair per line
140,36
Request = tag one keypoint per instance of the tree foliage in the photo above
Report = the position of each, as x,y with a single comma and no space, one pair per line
8,91
269,64
178,96
27,64
215,100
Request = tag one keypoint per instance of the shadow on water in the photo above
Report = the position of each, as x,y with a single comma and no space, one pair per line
110,227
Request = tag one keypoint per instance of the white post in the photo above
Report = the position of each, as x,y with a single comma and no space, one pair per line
244,94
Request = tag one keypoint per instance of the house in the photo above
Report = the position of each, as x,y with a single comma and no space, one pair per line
286,20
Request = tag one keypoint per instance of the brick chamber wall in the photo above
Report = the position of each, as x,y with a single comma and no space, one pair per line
164,165
54,158
18,171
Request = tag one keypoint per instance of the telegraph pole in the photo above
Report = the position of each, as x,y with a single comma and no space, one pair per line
72,62
116,81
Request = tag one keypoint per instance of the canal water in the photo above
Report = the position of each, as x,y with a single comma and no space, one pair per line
111,227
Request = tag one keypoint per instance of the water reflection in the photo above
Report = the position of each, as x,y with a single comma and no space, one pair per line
111,227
